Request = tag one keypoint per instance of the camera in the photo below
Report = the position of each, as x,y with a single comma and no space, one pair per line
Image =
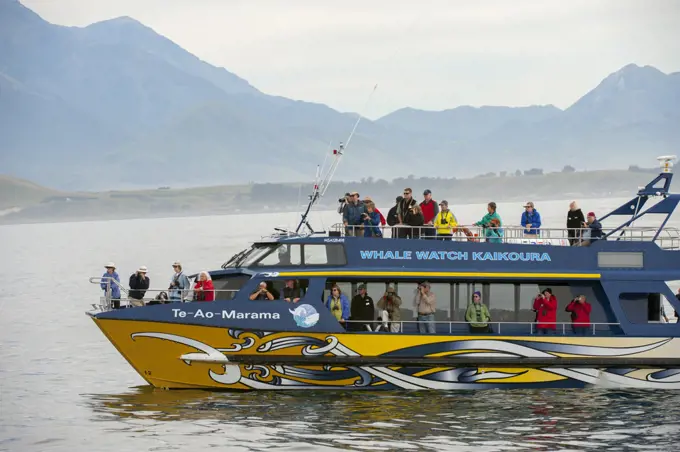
445,221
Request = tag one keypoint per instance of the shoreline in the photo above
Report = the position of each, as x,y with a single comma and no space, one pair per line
18,221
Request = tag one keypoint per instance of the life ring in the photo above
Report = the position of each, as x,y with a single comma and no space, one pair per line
470,236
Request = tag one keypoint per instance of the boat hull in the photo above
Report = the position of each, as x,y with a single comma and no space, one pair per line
173,355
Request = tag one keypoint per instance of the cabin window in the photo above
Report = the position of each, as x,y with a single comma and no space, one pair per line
643,307
227,286
324,254
507,301
500,298
278,286
667,307
525,308
282,256
620,260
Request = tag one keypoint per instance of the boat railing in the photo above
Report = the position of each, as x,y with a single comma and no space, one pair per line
667,238
106,302
463,327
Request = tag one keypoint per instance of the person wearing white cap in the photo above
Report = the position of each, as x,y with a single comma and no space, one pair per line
180,287
139,284
108,286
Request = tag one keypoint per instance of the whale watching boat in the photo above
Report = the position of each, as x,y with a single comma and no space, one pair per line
238,343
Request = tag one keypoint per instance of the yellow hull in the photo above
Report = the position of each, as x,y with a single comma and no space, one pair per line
171,355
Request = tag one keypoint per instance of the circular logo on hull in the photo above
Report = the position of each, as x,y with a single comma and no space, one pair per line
305,315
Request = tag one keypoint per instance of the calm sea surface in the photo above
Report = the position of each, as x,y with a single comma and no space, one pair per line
64,387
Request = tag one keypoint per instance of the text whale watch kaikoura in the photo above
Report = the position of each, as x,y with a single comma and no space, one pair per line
455,255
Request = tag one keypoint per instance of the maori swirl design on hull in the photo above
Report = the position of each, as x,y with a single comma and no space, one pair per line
446,377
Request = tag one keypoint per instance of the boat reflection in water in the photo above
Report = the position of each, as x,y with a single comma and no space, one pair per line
591,419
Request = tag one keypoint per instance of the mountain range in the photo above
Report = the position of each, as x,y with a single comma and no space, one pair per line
116,105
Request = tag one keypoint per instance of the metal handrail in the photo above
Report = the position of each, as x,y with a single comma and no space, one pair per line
669,237
107,300
450,323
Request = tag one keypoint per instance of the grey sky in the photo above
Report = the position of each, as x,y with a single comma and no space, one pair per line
429,54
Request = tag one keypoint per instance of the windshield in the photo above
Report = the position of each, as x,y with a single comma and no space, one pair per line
248,256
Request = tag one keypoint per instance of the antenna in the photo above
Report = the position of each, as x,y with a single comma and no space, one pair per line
321,185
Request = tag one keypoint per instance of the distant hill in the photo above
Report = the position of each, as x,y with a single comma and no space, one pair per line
19,193
25,202
116,105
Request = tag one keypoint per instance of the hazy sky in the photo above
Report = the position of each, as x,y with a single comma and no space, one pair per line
426,54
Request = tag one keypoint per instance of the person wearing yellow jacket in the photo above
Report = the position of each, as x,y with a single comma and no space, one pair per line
445,222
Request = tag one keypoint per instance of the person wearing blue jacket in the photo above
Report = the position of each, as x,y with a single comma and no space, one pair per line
352,217
338,304
107,284
371,221
531,220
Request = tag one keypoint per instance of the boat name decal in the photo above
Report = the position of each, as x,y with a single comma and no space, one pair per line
455,255
225,314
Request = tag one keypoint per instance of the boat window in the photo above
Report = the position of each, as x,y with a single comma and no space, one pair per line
620,259
277,287
527,295
227,286
507,301
501,301
324,254
253,255
667,307
281,255
643,307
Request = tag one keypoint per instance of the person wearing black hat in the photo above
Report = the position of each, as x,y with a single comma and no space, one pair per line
362,309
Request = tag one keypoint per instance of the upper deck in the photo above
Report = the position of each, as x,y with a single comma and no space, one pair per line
632,253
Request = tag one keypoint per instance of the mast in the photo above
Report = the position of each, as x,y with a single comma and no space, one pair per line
321,185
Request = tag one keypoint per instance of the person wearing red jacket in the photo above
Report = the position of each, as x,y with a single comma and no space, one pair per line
580,315
545,305
204,290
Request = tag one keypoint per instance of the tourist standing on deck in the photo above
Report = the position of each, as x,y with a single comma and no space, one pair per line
108,286
338,304
477,315
139,284
425,304
414,218
445,222
531,221
492,229
362,310
595,227
180,287
545,305
390,303
430,210
204,289
407,202
393,218
383,221
352,218
371,221
580,315
575,220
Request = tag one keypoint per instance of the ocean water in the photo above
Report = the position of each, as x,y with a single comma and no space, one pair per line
63,387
